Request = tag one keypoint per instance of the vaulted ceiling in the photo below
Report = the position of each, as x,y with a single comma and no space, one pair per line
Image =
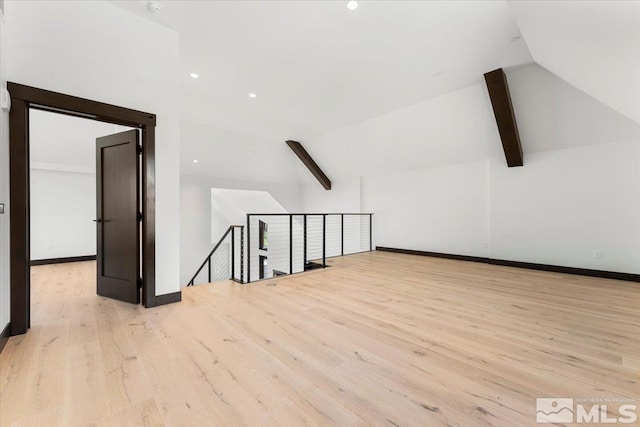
316,66
392,85
593,45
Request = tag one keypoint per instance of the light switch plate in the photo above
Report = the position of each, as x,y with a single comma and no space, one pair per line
1,208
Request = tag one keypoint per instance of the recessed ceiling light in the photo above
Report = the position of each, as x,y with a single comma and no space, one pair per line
252,95
195,160
194,75
352,5
515,38
154,7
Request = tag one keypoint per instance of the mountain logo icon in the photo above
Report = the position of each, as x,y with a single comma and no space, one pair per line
554,410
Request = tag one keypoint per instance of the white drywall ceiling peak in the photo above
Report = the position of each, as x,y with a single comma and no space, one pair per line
552,114
316,66
593,45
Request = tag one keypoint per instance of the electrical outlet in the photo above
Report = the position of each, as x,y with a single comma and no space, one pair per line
597,254
50,246
485,245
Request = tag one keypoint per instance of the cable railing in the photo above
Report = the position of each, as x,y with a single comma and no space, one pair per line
225,261
284,244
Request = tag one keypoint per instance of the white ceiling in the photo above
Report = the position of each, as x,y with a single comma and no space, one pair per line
235,155
58,141
317,66
593,45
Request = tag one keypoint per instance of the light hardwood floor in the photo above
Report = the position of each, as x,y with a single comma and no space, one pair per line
377,339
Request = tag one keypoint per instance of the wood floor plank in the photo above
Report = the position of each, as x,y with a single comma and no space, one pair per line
378,339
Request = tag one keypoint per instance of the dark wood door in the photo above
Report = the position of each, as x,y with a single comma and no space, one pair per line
118,252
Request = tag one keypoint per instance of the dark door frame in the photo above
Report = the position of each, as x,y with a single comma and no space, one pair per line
24,98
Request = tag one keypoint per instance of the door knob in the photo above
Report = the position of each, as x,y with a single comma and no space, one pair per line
97,220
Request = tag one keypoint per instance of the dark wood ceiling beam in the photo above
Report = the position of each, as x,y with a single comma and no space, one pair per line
498,89
310,163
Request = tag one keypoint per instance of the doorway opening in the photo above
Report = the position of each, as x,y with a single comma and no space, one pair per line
64,201
26,100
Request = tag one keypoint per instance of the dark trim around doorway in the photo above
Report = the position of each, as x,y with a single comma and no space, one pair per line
4,336
24,98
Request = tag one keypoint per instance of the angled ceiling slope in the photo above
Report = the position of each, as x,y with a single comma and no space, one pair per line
316,66
593,45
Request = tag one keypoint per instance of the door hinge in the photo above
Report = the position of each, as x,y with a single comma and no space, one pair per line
140,216
139,149
139,282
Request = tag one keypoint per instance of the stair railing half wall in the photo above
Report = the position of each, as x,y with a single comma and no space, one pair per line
225,261
283,244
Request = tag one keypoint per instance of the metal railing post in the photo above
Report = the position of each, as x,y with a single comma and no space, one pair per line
370,232
341,234
248,248
290,244
241,254
324,240
304,259
233,253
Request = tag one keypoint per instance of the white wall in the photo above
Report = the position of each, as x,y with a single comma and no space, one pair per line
577,193
344,196
440,209
98,51
4,188
66,141
196,213
63,207
565,205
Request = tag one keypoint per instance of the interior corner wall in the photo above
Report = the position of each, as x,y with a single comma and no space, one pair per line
575,207
63,207
5,314
196,215
575,202
566,206
101,52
